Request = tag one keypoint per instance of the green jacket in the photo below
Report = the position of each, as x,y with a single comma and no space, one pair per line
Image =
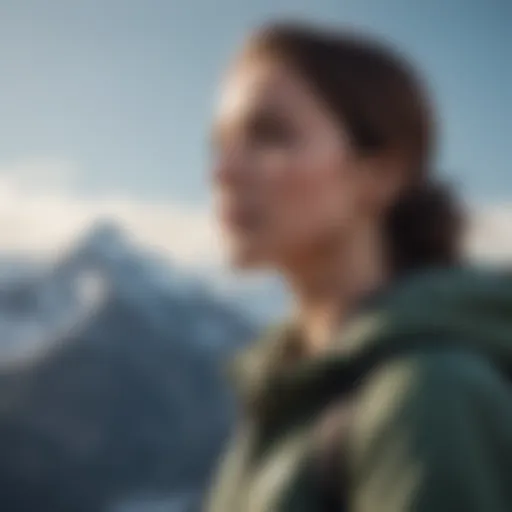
428,370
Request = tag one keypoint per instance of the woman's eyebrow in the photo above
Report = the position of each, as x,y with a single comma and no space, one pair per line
260,116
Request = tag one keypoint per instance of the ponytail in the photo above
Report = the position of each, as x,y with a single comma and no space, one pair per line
423,228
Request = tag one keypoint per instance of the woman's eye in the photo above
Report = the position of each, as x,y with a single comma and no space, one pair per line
270,132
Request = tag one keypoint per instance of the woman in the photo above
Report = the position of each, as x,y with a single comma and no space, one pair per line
387,391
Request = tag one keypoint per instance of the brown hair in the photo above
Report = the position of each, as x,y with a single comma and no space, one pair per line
380,100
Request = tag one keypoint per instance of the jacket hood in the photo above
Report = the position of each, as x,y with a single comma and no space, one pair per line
469,308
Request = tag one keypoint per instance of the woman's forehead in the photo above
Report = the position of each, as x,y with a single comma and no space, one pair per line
263,86
253,84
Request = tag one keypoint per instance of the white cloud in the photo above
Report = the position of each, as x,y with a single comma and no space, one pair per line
41,174
490,232
41,213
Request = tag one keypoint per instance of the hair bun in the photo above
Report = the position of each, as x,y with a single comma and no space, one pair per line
424,228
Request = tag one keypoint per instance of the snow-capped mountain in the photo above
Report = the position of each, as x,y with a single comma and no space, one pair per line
44,306
110,379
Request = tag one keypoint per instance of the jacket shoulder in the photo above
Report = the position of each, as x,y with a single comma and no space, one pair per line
433,427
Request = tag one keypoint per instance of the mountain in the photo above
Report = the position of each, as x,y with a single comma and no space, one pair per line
263,296
109,378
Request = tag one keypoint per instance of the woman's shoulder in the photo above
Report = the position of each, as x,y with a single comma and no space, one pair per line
463,310
428,419
431,378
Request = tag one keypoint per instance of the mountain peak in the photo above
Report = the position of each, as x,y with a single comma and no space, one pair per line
105,236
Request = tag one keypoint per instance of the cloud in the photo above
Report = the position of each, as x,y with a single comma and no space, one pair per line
490,232
41,213
41,174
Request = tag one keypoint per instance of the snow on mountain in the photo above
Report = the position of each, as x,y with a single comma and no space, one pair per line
117,389
41,307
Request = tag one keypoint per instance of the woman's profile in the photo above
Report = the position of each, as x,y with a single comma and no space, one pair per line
389,388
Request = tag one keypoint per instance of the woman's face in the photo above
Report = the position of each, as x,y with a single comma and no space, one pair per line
286,182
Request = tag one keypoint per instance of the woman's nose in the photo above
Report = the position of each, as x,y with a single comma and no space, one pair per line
229,168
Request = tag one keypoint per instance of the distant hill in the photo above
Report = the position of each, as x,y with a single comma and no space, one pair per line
110,379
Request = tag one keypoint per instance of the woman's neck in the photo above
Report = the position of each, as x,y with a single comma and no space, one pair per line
329,286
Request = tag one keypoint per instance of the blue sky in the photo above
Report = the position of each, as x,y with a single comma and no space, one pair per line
105,108
124,89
